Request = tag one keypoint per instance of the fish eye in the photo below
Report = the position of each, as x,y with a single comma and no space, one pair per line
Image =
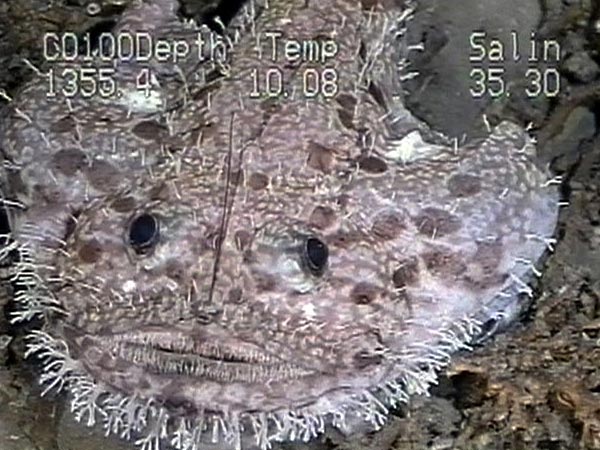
315,255
143,233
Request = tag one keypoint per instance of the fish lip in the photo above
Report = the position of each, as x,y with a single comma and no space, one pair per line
216,344
201,356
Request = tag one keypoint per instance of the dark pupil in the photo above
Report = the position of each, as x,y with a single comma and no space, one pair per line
316,255
143,233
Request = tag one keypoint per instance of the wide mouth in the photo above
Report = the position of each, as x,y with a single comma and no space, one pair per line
207,355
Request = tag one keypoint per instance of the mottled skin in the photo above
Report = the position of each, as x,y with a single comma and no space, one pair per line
223,316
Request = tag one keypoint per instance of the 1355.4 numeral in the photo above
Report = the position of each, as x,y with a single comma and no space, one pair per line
83,81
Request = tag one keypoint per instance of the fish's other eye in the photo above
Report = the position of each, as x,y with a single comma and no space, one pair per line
315,255
143,233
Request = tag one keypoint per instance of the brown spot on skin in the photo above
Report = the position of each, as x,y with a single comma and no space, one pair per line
322,217
368,5
488,255
123,204
490,280
150,130
51,194
175,270
346,118
364,359
69,161
90,251
372,164
258,181
320,158
436,222
387,225
243,240
365,293
63,125
464,185
104,176
443,263
235,295
407,273
345,238
159,192
264,282
346,101
237,177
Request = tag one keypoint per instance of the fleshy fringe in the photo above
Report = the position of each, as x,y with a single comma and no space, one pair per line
131,417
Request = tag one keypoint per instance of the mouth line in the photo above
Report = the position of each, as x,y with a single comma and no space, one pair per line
210,358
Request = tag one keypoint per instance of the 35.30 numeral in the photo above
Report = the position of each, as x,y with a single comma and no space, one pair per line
491,82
